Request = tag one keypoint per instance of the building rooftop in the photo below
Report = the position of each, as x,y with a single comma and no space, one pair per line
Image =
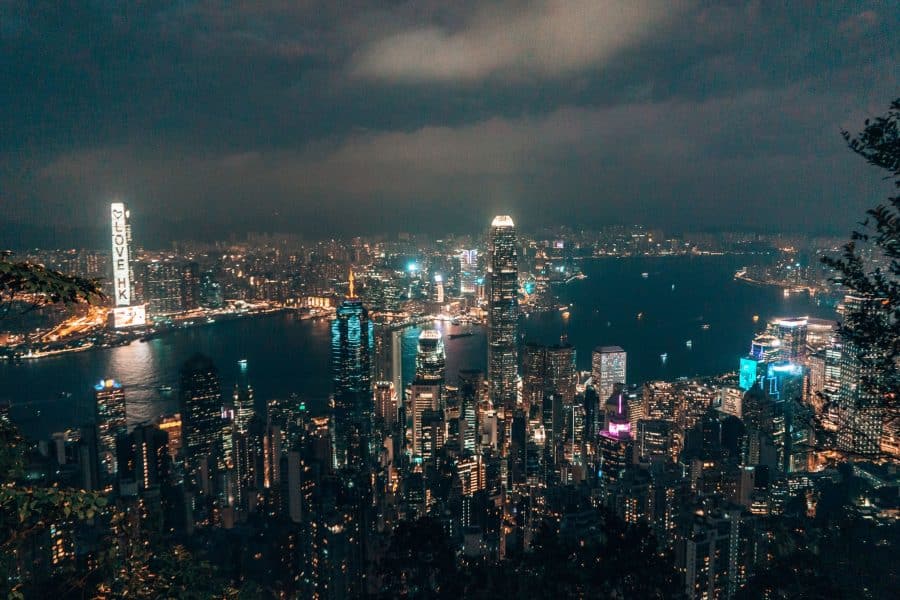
502,221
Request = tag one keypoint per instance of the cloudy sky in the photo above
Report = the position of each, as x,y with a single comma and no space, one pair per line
213,118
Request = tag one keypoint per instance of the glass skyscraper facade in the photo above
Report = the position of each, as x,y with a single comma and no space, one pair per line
202,424
111,423
608,368
352,345
503,312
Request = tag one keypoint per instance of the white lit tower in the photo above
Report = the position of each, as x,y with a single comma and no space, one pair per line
127,311
860,411
503,312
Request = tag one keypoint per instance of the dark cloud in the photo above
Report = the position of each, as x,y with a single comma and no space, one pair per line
325,116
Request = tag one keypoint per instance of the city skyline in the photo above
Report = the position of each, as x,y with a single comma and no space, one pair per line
519,299
292,119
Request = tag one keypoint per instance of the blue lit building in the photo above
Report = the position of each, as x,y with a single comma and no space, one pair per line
352,345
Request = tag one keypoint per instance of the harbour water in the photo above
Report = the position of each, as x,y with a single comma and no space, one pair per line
681,299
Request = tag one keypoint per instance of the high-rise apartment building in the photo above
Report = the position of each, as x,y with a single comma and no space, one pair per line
111,423
503,312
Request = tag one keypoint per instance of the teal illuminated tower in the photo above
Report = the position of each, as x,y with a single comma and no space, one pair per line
352,344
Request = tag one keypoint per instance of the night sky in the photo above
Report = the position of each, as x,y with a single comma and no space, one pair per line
212,119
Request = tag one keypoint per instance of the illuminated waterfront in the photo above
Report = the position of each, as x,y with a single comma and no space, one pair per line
289,355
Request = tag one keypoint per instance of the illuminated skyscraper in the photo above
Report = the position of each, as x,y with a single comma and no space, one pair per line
423,398
503,312
792,333
548,369
111,423
202,424
608,369
244,409
352,344
430,357
468,272
859,406
386,403
128,311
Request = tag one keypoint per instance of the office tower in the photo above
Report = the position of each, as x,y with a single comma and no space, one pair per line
423,397
470,385
243,401
548,369
470,470
766,348
190,286
163,287
352,344
388,354
859,404
792,333
171,425
607,370
819,333
654,439
144,456
386,404
430,358
111,423
503,312
815,364
439,289
433,435
211,295
784,381
730,400
468,272
615,441
202,425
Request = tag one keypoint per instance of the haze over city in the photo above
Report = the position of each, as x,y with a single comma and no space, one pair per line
343,118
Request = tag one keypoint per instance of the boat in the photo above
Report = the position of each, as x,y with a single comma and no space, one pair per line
705,326
755,318
689,344
645,275
673,287
640,316
664,357
453,336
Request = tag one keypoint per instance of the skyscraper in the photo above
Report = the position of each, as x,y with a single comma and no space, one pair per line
386,403
859,405
128,310
430,357
468,272
792,333
608,369
352,344
244,409
111,423
503,312
201,417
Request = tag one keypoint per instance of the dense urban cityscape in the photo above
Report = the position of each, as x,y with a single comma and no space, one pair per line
495,461
515,299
